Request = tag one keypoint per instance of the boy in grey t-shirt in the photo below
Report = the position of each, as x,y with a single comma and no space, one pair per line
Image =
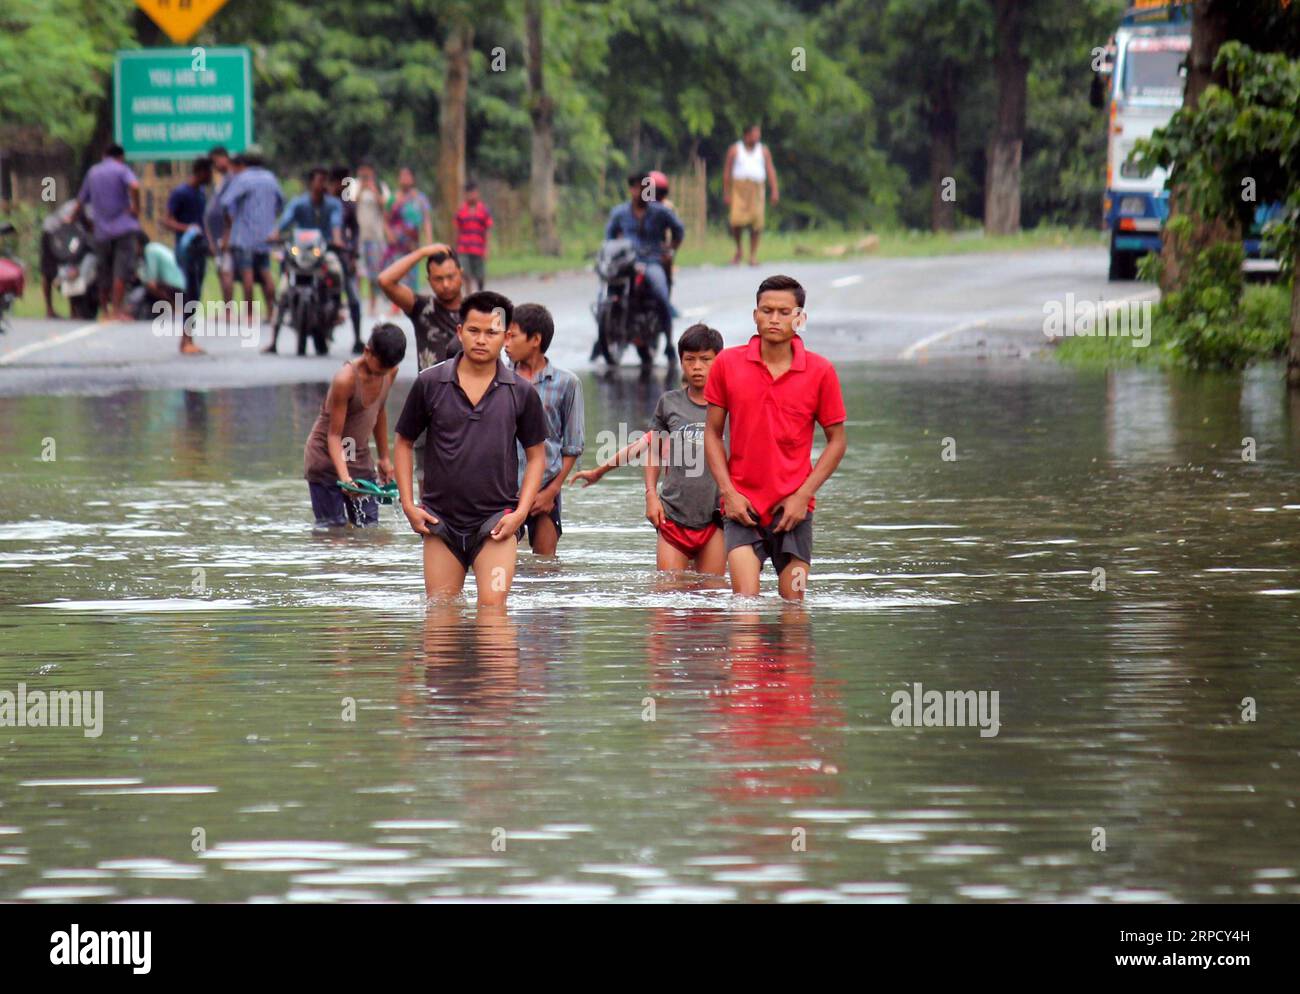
685,509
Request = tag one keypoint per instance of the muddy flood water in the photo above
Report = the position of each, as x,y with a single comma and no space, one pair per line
283,718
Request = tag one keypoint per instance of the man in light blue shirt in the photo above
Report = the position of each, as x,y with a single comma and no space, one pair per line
252,201
527,339
314,209
645,221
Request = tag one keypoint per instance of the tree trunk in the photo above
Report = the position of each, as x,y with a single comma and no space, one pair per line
1002,158
1211,27
942,114
541,109
451,128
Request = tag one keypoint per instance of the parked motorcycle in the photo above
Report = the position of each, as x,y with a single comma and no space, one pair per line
310,295
625,309
13,278
77,276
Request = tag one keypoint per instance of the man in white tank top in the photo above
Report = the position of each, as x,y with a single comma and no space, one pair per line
747,169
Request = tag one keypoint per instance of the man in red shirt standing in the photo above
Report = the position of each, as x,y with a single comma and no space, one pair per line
773,390
472,223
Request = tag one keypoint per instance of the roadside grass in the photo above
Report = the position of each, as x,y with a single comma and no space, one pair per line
717,248
1261,332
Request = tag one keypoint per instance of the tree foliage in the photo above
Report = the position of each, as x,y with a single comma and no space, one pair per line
55,56
848,91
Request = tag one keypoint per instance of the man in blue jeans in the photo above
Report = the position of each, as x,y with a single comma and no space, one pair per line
644,220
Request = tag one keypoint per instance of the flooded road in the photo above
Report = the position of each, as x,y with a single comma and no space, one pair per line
283,719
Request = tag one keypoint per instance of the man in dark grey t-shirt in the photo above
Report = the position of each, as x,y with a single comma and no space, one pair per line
473,410
685,510
434,316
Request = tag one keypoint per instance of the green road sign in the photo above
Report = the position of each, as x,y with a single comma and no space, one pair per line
176,103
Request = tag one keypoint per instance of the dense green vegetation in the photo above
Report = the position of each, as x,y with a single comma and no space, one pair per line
852,94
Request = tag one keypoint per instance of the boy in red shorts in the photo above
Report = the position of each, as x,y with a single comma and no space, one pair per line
685,510
772,391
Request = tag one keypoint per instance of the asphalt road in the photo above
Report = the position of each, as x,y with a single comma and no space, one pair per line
900,309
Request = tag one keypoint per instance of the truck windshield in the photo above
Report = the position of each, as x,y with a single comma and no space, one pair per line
1152,71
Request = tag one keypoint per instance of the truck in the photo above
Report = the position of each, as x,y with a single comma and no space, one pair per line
1140,83
1140,78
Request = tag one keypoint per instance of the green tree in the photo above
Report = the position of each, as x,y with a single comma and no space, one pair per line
927,59
56,58
686,76
1264,26
1237,148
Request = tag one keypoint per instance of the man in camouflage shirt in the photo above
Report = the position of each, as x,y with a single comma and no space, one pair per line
434,315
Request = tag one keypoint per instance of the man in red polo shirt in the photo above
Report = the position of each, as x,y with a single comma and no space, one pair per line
773,390
472,223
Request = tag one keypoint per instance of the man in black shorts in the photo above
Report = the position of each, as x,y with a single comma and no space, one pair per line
473,411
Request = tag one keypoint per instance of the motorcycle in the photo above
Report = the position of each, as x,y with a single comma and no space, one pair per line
73,250
310,294
12,279
625,309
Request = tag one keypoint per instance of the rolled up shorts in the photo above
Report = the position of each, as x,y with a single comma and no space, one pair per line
690,542
554,514
258,260
116,257
465,545
780,547
335,509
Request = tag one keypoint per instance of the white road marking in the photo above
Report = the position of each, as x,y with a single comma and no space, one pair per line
846,281
911,351
85,331
1109,305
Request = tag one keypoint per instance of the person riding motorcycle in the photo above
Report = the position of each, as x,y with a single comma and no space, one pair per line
657,234
319,211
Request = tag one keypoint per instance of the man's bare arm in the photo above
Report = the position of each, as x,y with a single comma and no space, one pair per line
771,174
735,505
623,456
796,505
390,280
337,404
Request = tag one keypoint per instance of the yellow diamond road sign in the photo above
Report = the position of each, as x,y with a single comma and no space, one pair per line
180,19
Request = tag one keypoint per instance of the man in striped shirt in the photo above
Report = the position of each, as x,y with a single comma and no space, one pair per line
530,334
472,223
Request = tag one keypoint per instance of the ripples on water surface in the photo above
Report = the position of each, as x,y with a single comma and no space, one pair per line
224,708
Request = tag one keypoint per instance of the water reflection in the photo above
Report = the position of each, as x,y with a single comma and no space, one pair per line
471,663
776,712
1120,704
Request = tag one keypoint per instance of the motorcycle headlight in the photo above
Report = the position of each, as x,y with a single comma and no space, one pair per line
294,250
315,251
